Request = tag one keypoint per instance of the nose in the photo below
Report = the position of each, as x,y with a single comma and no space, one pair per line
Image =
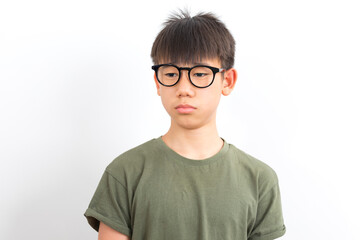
184,86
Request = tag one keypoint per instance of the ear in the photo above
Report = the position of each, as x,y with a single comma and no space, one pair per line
229,81
157,85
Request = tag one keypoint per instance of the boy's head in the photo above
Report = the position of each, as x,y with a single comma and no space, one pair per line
186,39
189,54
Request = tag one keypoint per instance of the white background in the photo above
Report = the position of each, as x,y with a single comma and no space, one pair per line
77,90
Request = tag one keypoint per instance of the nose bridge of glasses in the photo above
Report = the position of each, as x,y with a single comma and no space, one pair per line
184,68
188,69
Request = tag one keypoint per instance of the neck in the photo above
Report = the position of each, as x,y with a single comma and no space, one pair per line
197,144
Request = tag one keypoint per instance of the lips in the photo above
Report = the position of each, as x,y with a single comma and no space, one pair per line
185,108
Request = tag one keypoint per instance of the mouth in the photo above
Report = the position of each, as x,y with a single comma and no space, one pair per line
185,108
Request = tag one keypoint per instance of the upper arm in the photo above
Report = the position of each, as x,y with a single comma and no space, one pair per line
269,223
107,233
110,205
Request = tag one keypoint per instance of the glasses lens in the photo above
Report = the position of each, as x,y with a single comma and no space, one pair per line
201,76
168,75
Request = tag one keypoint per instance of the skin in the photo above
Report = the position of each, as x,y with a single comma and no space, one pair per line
193,135
107,233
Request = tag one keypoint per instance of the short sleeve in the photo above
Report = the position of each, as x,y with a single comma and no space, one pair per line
110,205
269,222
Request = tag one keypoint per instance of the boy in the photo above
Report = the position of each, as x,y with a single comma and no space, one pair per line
189,184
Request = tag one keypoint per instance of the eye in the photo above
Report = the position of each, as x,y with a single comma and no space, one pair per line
170,75
200,74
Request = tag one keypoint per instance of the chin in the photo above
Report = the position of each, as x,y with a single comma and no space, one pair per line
189,124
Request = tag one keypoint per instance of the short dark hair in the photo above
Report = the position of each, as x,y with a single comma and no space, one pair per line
189,39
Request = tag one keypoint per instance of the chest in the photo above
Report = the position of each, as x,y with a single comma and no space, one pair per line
202,200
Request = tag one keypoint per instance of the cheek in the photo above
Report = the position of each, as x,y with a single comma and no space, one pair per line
214,101
165,101
212,96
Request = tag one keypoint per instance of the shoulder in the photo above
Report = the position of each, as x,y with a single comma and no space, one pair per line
255,168
134,156
133,161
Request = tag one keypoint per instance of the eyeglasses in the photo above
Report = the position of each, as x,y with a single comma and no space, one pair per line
200,76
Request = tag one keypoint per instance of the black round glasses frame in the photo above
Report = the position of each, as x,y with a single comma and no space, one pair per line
213,69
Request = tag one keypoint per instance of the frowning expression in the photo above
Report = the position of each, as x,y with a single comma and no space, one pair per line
190,106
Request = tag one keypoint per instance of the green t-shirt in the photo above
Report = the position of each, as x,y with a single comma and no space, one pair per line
152,193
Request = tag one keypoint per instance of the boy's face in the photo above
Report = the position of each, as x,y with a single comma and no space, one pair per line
190,107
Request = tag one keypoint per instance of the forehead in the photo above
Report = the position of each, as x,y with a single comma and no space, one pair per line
214,62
